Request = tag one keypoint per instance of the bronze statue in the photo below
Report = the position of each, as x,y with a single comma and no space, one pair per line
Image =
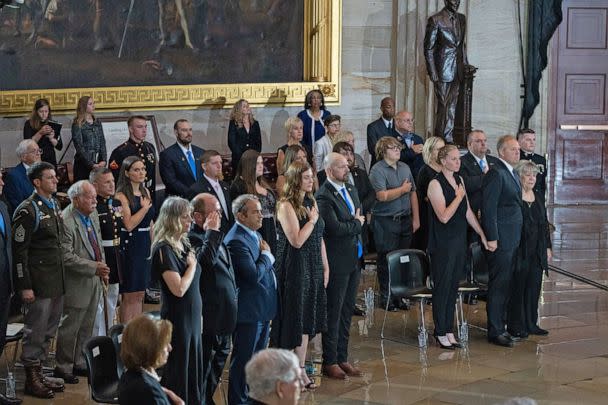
446,61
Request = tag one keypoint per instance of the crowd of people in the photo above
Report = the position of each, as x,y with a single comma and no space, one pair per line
248,264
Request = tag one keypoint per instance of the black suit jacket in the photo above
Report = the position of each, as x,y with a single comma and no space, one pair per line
501,215
365,190
342,230
6,266
471,173
444,46
217,283
239,140
203,186
175,170
375,131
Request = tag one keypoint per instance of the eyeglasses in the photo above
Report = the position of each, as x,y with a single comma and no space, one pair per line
36,151
394,147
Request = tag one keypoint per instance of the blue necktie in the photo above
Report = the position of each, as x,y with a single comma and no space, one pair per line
352,211
482,165
2,224
516,176
191,163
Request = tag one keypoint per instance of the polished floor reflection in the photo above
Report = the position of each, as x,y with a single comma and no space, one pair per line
568,366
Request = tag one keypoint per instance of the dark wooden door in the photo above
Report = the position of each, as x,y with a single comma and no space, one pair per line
579,149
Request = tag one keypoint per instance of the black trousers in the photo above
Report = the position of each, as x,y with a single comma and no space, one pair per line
389,235
5,299
446,271
501,266
341,296
216,349
446,96
523,305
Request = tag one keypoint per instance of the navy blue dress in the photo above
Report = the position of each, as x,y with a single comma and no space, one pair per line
136,249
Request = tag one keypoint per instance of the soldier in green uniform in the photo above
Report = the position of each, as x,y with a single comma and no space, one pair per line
39,274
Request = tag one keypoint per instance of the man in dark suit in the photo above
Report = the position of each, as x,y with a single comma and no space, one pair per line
18,187
6,281
340,208
527,144
211,182
474,165
257,290
383,126
446,57
180,164
411,154
501,219
218,288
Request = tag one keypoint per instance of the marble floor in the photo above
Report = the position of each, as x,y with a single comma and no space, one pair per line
568,366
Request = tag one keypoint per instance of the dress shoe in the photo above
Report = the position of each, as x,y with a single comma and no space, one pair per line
501,340
391,307
68,378
518,336
4,400
34,385
350,370
333,371
453,341
358,311
82,372
443,342
539,331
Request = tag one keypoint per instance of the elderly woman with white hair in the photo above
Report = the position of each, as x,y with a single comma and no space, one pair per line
273,377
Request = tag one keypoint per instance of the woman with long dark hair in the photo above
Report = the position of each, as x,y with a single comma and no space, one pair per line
249,179
88,138
37,128
138,215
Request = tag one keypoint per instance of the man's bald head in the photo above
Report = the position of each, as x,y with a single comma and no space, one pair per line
202,205
336,167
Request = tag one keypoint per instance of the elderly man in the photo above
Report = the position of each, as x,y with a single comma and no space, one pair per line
395,214
109,211
501,218
340,208
39,274
85,272
527,144
257,290
218,288
18,187
383,126
412,150
211,182
180,164
273,377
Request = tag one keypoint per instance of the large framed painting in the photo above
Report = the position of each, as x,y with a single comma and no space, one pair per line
167,54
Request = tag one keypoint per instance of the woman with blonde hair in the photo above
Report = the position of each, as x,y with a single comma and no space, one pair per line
295,131
137,215
292,153
243,132
88,138
302,273
175,265
145,346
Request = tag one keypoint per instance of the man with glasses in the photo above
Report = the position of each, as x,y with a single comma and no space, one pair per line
324,145
412,143
395,215
39,274
18,187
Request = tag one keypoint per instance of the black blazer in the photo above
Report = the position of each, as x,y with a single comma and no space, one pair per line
138,387
217,283
365,190
6,253
473,176
239,141
175,170
501,216
375,131
203,186
342,230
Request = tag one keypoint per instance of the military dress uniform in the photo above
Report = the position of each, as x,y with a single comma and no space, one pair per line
541,178
39,266
146,152
109,211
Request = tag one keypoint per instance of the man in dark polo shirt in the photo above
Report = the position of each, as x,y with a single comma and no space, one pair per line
395,214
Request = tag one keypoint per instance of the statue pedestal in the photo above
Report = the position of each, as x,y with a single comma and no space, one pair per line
463,121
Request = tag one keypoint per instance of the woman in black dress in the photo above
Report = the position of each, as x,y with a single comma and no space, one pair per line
302,268
38,129
533,256
249,179
243,132
89,141
137,215
427,173
174,264
145,346
448,241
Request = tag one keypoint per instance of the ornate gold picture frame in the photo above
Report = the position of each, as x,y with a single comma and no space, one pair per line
321,70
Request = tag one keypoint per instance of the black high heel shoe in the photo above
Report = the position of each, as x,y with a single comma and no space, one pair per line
456,343
447,347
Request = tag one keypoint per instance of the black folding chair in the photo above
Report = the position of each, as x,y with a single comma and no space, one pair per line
115,334
408,270
100,357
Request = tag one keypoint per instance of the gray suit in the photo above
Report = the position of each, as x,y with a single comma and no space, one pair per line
82,289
